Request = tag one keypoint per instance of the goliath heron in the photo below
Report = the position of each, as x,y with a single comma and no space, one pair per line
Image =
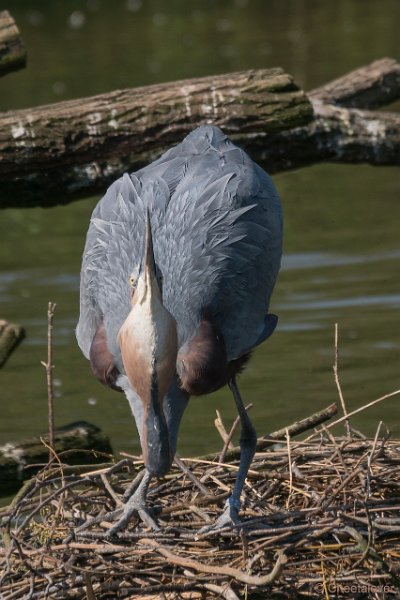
180,261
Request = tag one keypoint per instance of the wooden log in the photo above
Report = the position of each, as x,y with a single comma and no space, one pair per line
372,86
77,443
12,49
52,154
336,135
10,336
339,134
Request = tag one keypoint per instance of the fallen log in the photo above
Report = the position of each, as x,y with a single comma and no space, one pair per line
52,154
372,86
336,134
12,49
77,443
10,336
340,131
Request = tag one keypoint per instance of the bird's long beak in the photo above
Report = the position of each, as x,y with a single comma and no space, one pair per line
149,264
149,349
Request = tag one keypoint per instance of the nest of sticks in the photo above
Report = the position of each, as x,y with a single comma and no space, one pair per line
320,518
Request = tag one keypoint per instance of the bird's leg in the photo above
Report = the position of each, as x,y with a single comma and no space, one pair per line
248,441
134,484
136,504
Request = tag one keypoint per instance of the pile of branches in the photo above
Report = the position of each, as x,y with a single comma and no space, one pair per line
320,516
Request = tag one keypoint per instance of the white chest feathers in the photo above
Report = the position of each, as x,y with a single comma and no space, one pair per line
148,345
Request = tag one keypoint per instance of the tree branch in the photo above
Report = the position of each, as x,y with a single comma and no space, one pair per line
294,429
12,49
53,154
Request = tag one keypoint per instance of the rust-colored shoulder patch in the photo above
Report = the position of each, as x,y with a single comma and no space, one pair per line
202,360
102,361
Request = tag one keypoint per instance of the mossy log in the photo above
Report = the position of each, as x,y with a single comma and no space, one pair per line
10,336
372,86
343,129
54,154
77,443
12,49
51,154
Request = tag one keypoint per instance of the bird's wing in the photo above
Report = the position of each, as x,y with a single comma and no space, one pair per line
222,241
217,230
112,256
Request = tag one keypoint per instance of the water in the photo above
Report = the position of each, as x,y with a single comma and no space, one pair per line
341,260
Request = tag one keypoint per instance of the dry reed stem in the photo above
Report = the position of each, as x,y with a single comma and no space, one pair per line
220,426
339,388
228,440
49,375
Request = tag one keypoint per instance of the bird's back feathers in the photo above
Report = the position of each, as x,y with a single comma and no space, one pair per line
217,233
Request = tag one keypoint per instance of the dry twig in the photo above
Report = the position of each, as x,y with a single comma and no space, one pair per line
49,373
339,388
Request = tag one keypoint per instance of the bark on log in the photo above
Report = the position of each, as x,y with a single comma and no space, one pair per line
10,336
372,86
81,442
12,49
51,154
335,135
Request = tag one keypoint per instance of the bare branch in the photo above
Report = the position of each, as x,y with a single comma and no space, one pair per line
339,388
49,373
12,50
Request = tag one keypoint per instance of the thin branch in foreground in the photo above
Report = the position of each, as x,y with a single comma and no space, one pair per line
364,407
49,372
336,373
228,442
294,429
290,469
221,427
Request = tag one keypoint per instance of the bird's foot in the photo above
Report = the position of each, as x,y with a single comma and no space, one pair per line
133,507
229,518
133,504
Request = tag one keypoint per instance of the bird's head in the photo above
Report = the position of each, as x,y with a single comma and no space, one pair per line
148,343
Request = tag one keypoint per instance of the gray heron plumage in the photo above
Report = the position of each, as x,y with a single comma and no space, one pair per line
180,261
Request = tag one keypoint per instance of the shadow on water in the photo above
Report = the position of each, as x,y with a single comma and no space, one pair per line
341,222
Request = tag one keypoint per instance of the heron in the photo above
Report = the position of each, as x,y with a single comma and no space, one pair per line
180,262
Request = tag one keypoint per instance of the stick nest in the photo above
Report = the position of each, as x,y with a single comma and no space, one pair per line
319,517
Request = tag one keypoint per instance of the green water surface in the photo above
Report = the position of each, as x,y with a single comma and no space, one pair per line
342,223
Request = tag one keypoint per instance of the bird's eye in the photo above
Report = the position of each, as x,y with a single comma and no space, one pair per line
132,281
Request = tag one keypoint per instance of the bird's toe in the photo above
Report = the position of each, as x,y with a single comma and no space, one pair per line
229,518
133,508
